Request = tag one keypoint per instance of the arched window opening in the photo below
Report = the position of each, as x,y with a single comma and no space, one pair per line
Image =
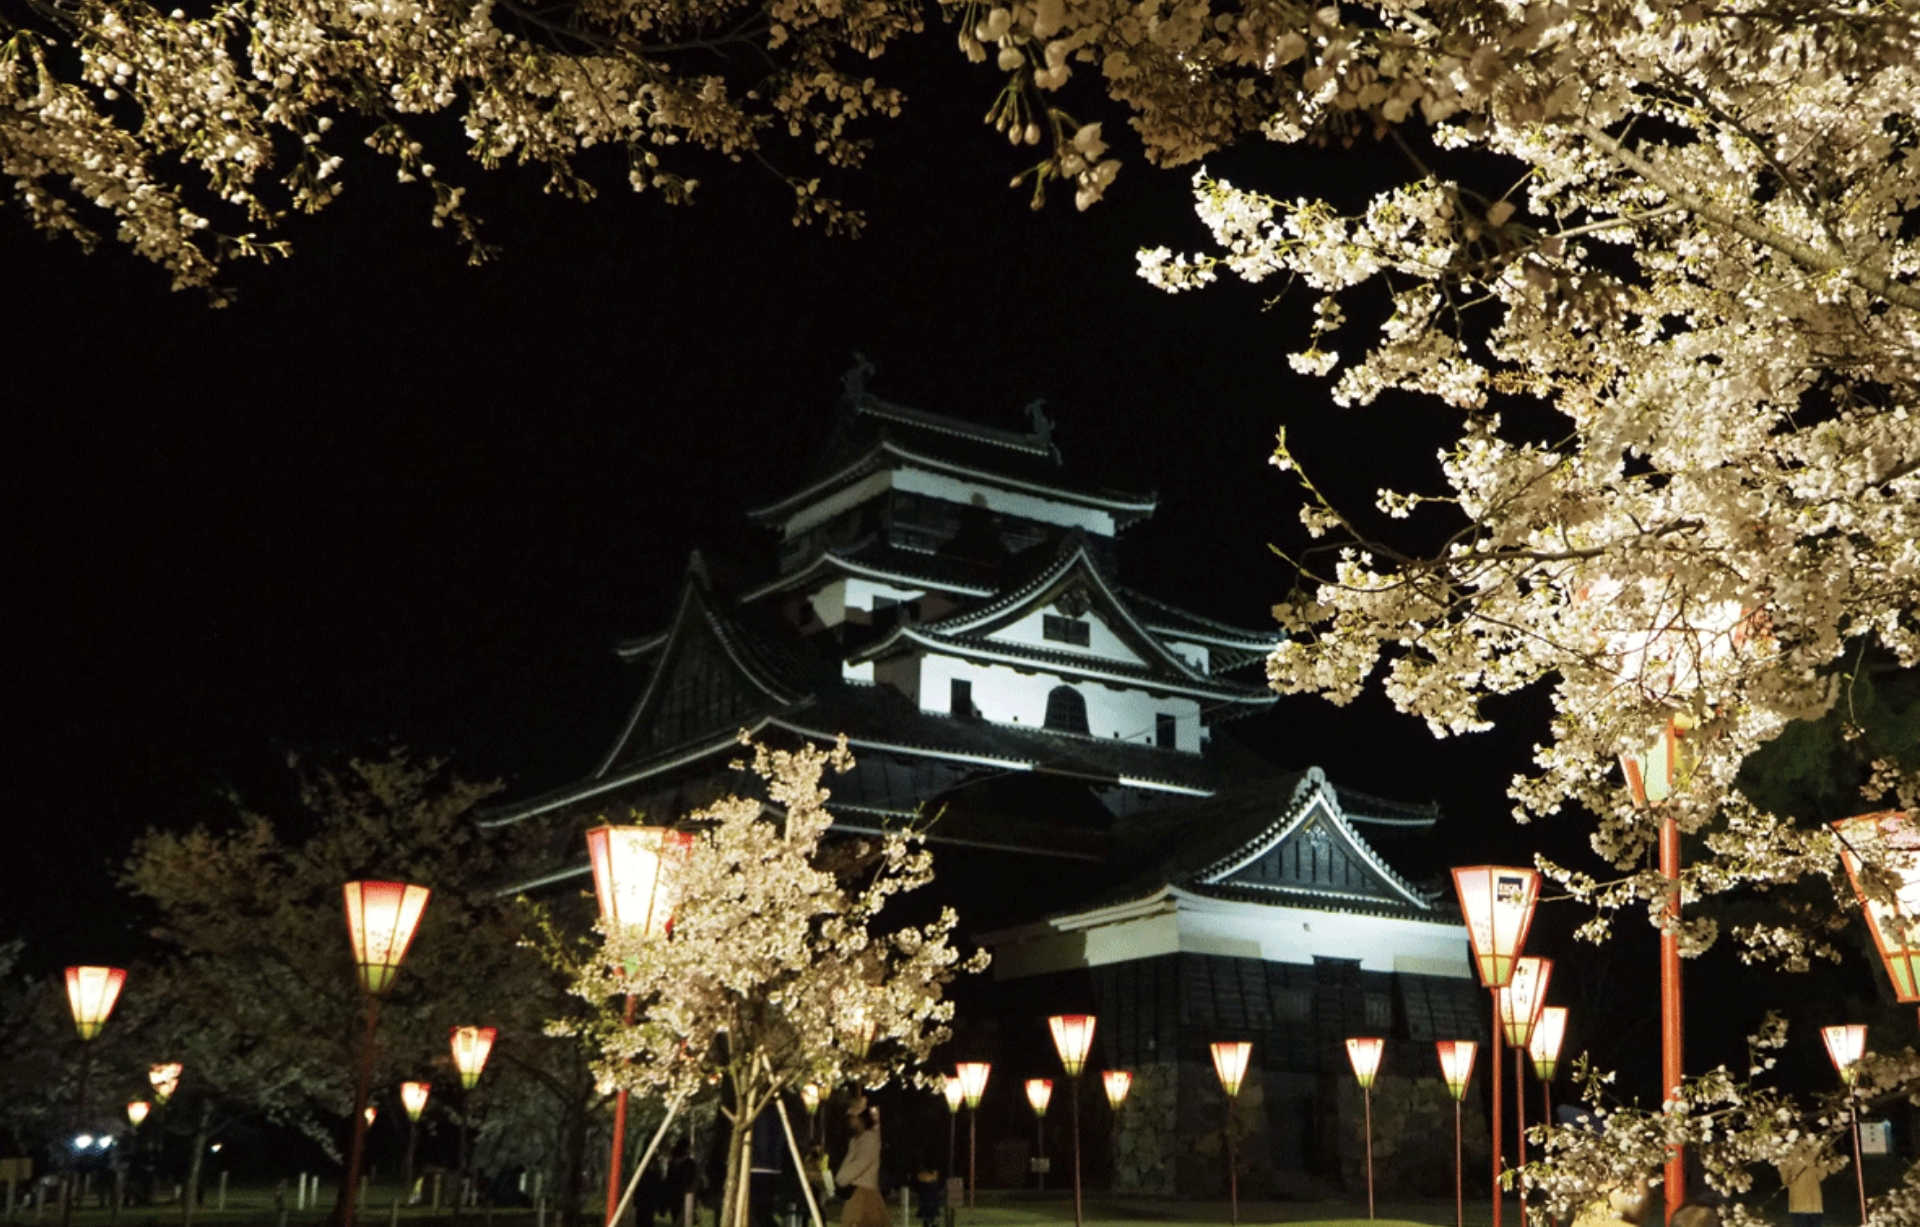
1066,710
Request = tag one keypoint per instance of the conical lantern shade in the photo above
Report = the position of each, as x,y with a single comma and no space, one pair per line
1845,1045
858,1027
381,920
91,992
165,1078
973,1080
956,1094
636,874
1230,1063
1890,843
1497,902
1521,1001
137,1111
370,1113
1544,1045
1662,769
1456,1064
471,1047
1072,1039
413,1097
1117,1083
1039,1094
810,1097
1364,1053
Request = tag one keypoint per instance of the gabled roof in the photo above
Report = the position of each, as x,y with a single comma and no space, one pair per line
883,564
1232,646
969,633
1289,841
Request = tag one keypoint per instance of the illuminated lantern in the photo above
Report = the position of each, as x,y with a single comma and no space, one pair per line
1118,1082
471,1046
1544,1045
1497,902
1039,1094
1846,1045
137,1111
973,1080
370,1113
636,873
1230,1062
1365,1054
1889,842
1456,1064
1521,1001
858,1027
381,920
1663,768
955,1093
165,1078
810,1097
413,1097
91,992
1072,1039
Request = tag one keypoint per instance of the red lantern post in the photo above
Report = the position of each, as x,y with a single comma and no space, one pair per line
1520,1003
1230,1063
973,1086
1888,842
636,874
1039,1095
1846,1045
1497,902
955,1095
1364,1054
382,918
1544,1048
91,993
413,1097
471,1047
1073,1040
1456,1066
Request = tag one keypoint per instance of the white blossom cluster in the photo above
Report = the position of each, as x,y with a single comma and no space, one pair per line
188,135
774,972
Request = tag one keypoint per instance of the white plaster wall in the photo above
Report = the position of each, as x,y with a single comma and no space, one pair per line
1009,696
860,593
1005,502
1101,641
829,602
1196,655
831,506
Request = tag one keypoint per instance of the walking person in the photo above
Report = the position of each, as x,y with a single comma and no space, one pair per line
1801,1171
859,1172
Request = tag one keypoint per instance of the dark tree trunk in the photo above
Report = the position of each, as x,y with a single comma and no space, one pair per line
201,1132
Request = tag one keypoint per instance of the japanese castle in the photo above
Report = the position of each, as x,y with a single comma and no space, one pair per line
943,594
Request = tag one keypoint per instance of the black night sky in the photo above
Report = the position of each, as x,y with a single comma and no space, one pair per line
388,497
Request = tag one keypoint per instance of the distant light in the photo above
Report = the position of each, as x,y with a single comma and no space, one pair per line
105,1142
215,1148
83,1141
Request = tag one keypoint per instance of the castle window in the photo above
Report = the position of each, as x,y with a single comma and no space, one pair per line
1066,710
1379,1011
1166,731
1066,630
960,702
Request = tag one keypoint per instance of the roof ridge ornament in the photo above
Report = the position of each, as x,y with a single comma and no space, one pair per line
856,376
1036,412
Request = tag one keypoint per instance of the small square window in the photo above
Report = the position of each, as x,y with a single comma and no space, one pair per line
1166,731
960,700
1379,1011
1066,630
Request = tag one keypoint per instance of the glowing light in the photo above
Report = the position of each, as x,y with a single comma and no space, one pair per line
1072,1039
858,1026
1365,1053
1846,1045
1521,1001
1456,1064
636,873
370,1113
1230,1062
91,992
1118,1082
381,920
973,1080
413,1097
1497,902
1889,843
956,1093
1544,1046
137,1111
1039,1094
471,1047
165,1078
810,1097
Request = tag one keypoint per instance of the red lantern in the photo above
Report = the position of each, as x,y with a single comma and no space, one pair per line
91,992
137,1111
1230,1063
1039,1094
636,874
370,1113
1497,902
1544,1045
1521,1001
973,1080
1846,1045
1364,1053
1456,1064
1889,841
413,1097
165,1078
471,1047
1072,1039
381,920
1117,1082
955,1093
1663,768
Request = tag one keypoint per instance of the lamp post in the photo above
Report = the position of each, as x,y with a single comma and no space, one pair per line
137,1112
91,993
973,1085
413,1097
1456,1066
1073,1039
382,918
955,1096
1544,1048
1497,902
1364,1054
471,1048
1117,1083
1846,1045
1520,1003
1039,1095
636,876
1889,842
1230,1063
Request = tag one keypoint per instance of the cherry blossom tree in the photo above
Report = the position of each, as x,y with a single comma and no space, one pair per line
774,975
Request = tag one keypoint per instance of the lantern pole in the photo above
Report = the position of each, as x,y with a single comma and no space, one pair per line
382,918
955,1096
1072,1040
1672,1021
91,993
1846,1045
1364,1053
973,1085
1230,1063
1039,1091
362,1088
